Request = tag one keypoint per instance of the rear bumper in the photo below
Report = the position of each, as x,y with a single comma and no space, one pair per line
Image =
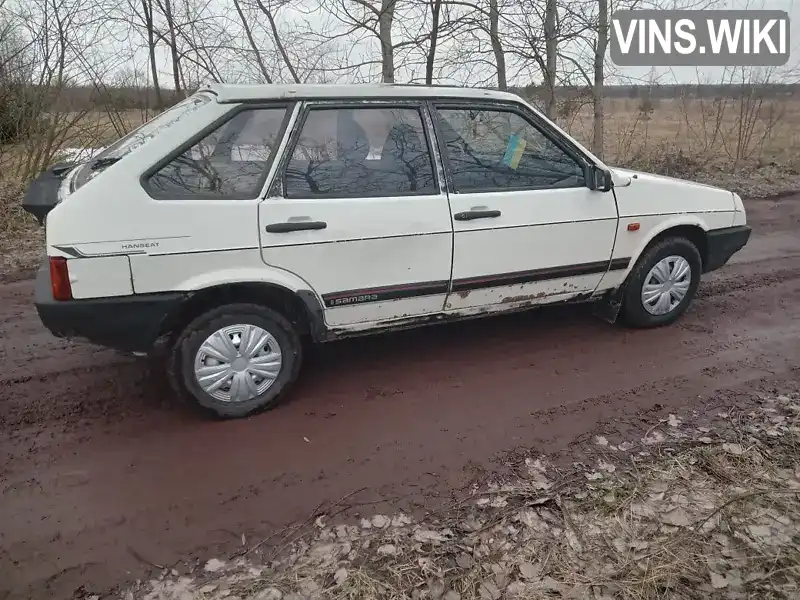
127,323
724,243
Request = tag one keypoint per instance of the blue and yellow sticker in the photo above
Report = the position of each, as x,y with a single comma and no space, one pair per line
514,149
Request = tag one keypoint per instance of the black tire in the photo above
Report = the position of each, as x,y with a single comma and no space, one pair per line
634,314
188,342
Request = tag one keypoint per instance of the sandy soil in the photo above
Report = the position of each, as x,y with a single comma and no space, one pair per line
102,472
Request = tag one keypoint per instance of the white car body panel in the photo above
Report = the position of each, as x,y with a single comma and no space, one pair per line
209,269
394,241
100,277
542,229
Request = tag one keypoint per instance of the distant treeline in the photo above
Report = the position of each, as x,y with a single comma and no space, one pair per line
673,91
135,98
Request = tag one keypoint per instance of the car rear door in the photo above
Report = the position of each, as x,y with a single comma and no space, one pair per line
527,227
356,210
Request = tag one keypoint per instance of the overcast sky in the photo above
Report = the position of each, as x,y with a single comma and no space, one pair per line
518,74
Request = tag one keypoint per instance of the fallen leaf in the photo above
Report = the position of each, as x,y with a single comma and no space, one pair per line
515,589
718,581
600,440
594,476
677,517
489,590
381,521
530,571
642,510
400,520
535,465
270,594
735,449
654,437
214,565
470,524
763,532
340,576
659,487
625,446
552,585
673,421
387,550
539,481
426,535
452,595
436,589
705,440
606,466
325,553
306,440
464,561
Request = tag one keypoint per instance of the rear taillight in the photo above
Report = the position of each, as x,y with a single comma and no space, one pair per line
59,278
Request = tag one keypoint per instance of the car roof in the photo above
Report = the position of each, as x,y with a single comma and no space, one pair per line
226,93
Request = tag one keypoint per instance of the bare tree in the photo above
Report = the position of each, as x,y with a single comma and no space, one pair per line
253,46
497,45
276,38
599,77
430,60
551,45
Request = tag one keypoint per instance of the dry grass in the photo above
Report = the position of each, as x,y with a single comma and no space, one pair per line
745,145
686,512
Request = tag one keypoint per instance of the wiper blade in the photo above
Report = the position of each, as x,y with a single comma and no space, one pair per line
104,162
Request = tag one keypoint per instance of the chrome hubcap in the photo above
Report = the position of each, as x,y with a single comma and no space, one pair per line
238,363
666,285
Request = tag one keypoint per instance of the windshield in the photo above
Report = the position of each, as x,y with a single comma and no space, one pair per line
139,137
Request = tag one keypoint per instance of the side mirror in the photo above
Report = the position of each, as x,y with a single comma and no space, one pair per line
599,179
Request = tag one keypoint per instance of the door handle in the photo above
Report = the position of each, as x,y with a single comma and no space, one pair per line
470,215
288,226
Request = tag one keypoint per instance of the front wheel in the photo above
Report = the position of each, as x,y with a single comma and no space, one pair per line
236,360
662,284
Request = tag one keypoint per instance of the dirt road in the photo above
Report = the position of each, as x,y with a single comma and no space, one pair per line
102,472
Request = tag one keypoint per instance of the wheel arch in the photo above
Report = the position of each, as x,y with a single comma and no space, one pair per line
301,307
692,229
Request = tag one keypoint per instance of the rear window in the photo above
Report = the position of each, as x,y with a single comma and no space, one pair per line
139,136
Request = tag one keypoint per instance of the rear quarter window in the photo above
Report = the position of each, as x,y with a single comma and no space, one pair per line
230,162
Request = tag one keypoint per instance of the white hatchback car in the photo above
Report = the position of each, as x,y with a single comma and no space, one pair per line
247,218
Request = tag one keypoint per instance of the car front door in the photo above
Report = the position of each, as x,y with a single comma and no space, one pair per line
527,227
356,210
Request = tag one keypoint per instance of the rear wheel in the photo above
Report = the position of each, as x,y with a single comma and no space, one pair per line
236,360
662,284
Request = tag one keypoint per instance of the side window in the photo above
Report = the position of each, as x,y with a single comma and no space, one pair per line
360,152
491,149
230,162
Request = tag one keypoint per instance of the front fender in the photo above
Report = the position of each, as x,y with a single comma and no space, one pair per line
632,245
669,223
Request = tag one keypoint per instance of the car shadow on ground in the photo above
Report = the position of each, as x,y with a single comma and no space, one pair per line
365,359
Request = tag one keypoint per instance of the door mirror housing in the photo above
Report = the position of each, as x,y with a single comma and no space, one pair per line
599,179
